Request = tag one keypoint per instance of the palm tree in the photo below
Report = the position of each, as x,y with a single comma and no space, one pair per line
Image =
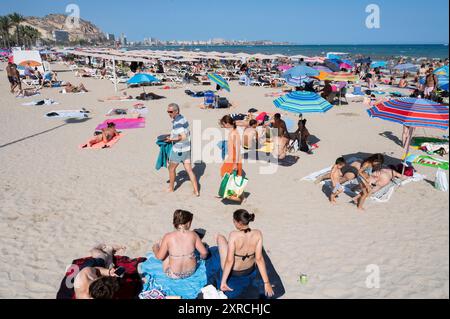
29,35
5,25
16,19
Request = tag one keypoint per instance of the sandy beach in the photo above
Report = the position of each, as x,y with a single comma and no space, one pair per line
57,201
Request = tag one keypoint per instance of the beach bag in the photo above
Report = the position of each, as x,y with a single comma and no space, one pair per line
440,182
232,185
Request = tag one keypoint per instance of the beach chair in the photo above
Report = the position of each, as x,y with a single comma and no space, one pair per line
209,99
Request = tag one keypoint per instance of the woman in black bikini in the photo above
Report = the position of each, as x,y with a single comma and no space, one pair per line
242,252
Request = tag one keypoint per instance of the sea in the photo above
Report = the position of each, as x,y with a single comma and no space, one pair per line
413,51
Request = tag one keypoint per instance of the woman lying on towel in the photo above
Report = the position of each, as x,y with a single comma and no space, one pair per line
383,177
177,249
106,135
149,96
242,252
98,278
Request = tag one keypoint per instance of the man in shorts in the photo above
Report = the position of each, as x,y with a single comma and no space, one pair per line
431,83
181,148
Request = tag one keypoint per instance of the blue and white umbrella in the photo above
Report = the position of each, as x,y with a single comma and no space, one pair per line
300,102
300,71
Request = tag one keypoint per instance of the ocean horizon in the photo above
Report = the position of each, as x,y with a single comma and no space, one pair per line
376,51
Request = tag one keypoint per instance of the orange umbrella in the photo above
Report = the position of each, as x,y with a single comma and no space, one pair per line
30,63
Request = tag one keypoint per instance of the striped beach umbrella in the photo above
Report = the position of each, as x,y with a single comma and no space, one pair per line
342,77
442,71
219,80
300,71
303,102
412,112
297,81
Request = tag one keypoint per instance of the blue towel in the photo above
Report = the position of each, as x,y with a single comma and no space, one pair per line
223,145
164,153
155,278
245,287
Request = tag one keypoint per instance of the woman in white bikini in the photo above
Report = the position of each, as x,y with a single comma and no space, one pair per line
177,249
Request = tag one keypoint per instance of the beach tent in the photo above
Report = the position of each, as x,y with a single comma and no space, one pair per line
300,102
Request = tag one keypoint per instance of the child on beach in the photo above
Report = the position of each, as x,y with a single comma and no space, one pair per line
336,174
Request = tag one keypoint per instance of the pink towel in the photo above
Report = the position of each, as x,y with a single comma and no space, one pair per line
123,124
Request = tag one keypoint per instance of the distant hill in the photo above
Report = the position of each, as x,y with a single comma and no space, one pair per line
86,31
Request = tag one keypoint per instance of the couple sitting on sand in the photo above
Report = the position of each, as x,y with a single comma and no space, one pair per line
370,174
239,255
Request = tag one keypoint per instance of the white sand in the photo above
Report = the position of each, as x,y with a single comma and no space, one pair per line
57,201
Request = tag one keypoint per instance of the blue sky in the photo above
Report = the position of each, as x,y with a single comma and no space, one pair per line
298,21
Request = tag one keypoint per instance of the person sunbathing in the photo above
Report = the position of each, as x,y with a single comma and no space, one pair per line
105,136
403,82
242,252
177,249
97,278
123,97
384,176
26,93
149,96
70,88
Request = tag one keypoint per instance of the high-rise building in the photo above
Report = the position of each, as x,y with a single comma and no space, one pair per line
123,39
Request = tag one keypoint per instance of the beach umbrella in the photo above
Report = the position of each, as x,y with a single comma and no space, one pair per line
333,65
442,71
405,67
303,102
322,68
142,78
284,67
219,80
300,71
378,64
342,77
332,56
30,63
412,113
316,59
297,81
345,65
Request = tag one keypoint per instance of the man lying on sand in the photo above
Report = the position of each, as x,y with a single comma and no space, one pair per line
98,278
106,135
123,97
70,88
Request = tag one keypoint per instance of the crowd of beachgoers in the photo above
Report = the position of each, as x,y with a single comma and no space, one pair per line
183,265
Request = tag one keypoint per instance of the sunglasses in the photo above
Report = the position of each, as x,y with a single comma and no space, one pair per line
170,112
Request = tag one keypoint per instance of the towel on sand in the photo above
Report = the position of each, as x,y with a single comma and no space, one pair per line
428,161
101,144
81,113
155,278
131,283
164,153
41,102
124,123
244,287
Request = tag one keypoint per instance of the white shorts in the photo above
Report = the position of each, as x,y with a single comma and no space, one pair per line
428,90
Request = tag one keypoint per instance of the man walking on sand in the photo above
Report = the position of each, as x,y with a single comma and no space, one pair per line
181,149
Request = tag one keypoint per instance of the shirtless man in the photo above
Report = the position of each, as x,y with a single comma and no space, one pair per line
97,279
431,83
13,77
107,135
123,97
336,174
70,88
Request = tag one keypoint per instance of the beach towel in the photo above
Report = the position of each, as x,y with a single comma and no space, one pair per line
244,287
40,102
428,161
102,144
417,141
22,96
164,152
155,278
81,113
124,123
131,283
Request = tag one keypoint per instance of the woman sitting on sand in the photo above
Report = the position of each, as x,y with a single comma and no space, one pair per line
242,252
105,136
403,82
177,249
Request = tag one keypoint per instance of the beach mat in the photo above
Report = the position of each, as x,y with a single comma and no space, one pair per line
245,287
417,141
124,123
68,114
40,103
101,145
156,279
131,282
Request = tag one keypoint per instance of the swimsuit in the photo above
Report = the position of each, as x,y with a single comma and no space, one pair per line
181,274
